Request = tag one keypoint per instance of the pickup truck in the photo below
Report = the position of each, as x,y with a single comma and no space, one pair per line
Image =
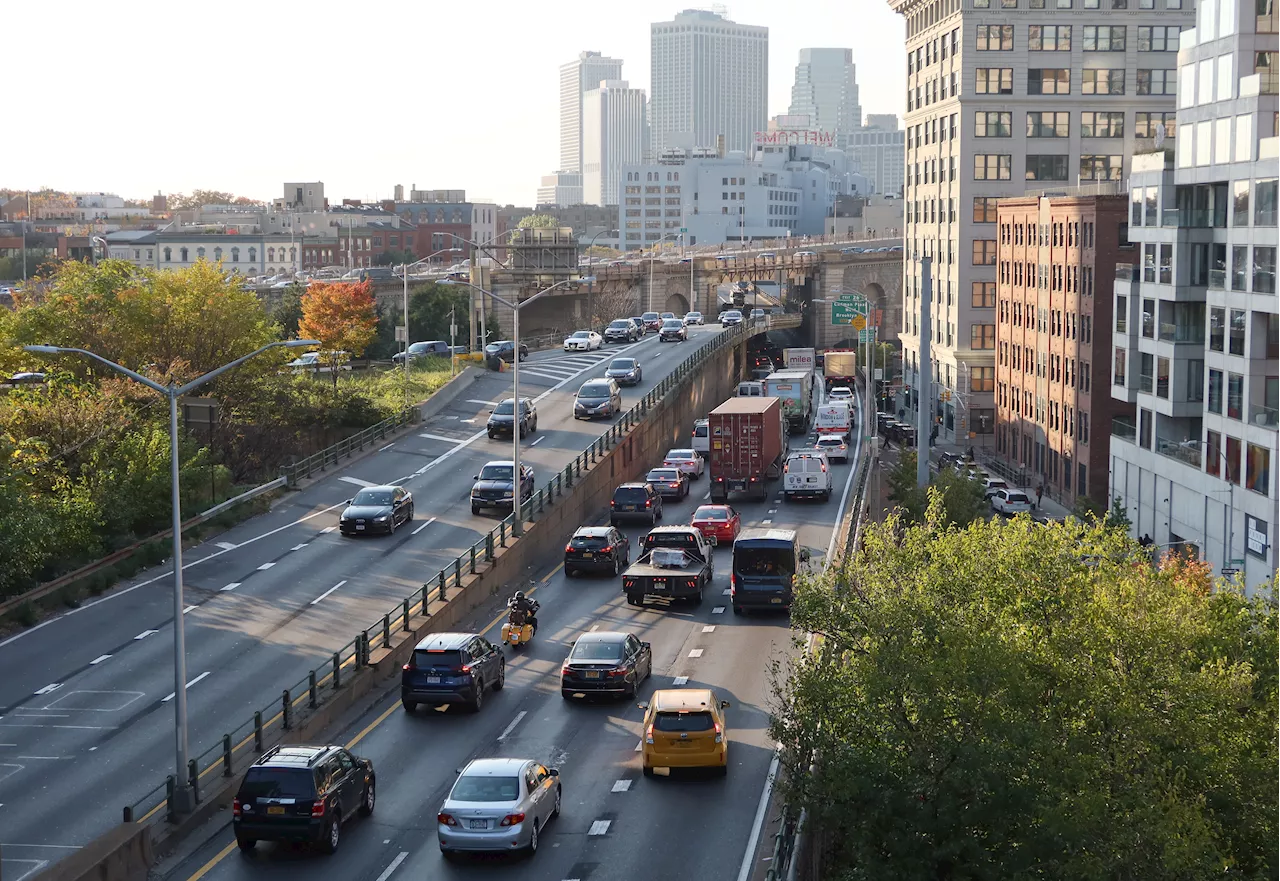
675,564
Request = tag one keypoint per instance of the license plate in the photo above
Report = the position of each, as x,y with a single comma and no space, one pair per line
592,674
777,600
586,556
811,480
359,526
275,810
479,824
433,680
627,507
660,582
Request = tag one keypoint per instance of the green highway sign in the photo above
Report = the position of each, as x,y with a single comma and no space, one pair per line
846,307
867,336
684,229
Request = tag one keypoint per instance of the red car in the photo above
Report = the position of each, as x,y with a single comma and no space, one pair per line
719,523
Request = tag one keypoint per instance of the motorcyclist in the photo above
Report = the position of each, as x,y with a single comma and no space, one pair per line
523,608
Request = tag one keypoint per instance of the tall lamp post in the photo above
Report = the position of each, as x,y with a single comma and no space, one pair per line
591,244
654,256
482,334
404,272
517,526
183,799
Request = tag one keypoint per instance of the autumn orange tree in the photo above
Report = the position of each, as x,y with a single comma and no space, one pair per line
343,317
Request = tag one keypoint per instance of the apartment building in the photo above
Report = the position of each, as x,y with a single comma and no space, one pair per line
1056,259
1006,96
1197,318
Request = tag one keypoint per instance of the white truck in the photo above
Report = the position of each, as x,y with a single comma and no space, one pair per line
840,367
794,389
799,359
834,417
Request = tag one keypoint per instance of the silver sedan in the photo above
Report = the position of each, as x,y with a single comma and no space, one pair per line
498,805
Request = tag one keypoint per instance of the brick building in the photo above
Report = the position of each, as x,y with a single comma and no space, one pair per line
1055,262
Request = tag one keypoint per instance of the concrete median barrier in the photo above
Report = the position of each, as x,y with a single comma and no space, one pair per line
123,854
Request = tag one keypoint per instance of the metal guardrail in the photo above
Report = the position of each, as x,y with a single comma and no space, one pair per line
343,449
239,748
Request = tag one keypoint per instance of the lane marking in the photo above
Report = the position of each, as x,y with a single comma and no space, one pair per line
299,547
328,529
372,725
387,447
265,566
98,660
189,684
232,586
423,526
468,421
695,653
621,785
552,573
226,545
514,722
42,725
189,609
718,610
639,746
208,867
707,496
594,628
52,686
709,628
329,591
357,481
485,403
395,864
599,827
766,521
144,634
727,591
554,377
440,437
773,510
540,439
748,859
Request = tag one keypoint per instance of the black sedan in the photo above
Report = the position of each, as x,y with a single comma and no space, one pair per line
597,549
625,371
506,350
606,662
669,482
376,509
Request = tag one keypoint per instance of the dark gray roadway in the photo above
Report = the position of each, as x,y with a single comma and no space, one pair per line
99,733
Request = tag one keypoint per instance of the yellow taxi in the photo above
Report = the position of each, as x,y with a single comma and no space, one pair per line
685,728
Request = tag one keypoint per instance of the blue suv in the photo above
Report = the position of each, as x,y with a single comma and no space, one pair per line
452,668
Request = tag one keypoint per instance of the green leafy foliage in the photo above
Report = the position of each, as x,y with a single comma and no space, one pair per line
545,221
1016,700
962,498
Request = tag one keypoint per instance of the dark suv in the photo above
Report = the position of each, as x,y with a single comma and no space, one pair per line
597,549
503,419
302,793
452,668
622,331
506,350
635,501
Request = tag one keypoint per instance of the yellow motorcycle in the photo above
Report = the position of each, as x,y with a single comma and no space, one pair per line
521,624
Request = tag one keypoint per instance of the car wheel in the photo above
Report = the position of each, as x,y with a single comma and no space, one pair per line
697,599
332,834
569,573
247,844
502,677
409,706
478,700
635,599
369,800
475,509
617,567
391,525
491,435
533,838
737,610
408,518
647,771
567,695
632,688
555,811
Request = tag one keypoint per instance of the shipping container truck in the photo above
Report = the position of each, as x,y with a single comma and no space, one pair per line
840,367
794,389
799,359
748,442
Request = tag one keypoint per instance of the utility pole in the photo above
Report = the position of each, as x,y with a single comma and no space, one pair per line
924,377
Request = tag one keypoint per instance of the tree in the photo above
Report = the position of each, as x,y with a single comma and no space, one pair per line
179,201
538,221
1015,700
395,258
287,312
343,317
1117,517
962,497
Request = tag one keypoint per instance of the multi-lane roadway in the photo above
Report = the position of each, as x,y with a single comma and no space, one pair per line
86,720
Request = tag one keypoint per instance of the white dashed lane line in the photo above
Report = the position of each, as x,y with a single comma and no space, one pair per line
172,695
424,526
357,481
52,686
599,827
98,660
621,785
144,634
680,680
718,610
695,653
506,732
329,591
265,566
232,586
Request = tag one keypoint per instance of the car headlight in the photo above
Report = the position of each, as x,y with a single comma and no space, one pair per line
381,519
507,495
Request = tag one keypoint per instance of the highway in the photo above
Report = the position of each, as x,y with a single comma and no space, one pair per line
86,722
615,824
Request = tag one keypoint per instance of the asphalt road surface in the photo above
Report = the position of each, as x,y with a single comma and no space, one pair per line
86,719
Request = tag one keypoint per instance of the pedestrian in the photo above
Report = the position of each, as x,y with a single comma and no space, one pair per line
1039,494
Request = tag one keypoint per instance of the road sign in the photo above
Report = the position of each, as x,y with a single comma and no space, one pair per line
684,229
402,333
859,322
867,336
843,312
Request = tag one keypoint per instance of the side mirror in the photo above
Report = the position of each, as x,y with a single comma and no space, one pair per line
644,705
475,477
554,772
349,501
724,705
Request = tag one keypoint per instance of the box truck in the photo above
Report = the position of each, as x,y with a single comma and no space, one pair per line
794,389
748,442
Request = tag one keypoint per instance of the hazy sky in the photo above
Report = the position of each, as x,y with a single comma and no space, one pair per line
146,96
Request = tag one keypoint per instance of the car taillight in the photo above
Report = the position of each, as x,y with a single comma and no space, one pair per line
406,667
733,585
513,819
446,819
719,733
648,734
693,582
616,671
566,670
824,466
235,807
568,548
607,549
317,808
648,503
464,670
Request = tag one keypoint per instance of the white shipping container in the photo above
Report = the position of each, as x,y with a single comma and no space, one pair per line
799,359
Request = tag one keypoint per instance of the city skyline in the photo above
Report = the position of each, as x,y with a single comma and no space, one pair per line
208,138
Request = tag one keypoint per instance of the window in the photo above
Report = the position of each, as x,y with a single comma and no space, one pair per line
984,252
1118,371
1161,38
982,336
993,80
1049,81
982,379
1235,395
992,166
1235,338
1157,82
994,37
168,254
1050,38
1048,124
993,124
235,255
1146,124
1240,268
1047,167
1103,38
1101,124
1264,212
1102,82
984,209
253,255
200,253
1101,167
1217,330
983,294
1264,270
1257,469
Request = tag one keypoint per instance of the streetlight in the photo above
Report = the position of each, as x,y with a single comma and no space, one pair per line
591,244
1229,537
183,800
482,330
654,256
404,271
517,526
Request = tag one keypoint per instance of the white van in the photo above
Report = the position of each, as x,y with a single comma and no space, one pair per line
834,417
700,440
750,390
806,474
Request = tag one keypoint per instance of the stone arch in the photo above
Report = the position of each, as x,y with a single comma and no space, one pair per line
677,303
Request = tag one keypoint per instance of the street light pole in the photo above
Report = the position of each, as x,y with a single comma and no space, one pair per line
591,317
183,794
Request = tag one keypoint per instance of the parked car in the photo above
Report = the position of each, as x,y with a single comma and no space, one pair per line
719,523
673,329
319,362
686,460
625,371
498,805
452,668
597,549
834,446
606,662
376,508
597,397
622,331
494,486
302,793
505,349
684,728
583,341
990,485
652,322
669,482
730,317
502,421
423,350
1010,501
805,254
692,318
635,501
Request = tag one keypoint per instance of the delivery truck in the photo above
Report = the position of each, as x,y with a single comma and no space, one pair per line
834,417
794,389
748,443
799,359
839,367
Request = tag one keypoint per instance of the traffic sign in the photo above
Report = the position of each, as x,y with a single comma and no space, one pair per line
859,322
867,336
684,229
402,333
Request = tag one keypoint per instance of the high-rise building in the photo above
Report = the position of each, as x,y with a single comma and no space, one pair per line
826,90
615,132
577,78
560,188
1000,100
709,78
880,157
1197,318
885,122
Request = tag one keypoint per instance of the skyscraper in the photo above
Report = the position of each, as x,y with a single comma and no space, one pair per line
615,132
576,78
826,89
1002,98
710,77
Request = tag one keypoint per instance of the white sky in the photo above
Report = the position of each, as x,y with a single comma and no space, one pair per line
144,96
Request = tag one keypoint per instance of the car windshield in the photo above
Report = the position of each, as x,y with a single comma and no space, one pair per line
710,512
680,454
594,390
650,316
1019,497
372,497
764,560
672,323
683,721
496,472
622,364
596,651
278,783
581,334
733,313
506,408
663,474
630,494
477,788
619,325
418,347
